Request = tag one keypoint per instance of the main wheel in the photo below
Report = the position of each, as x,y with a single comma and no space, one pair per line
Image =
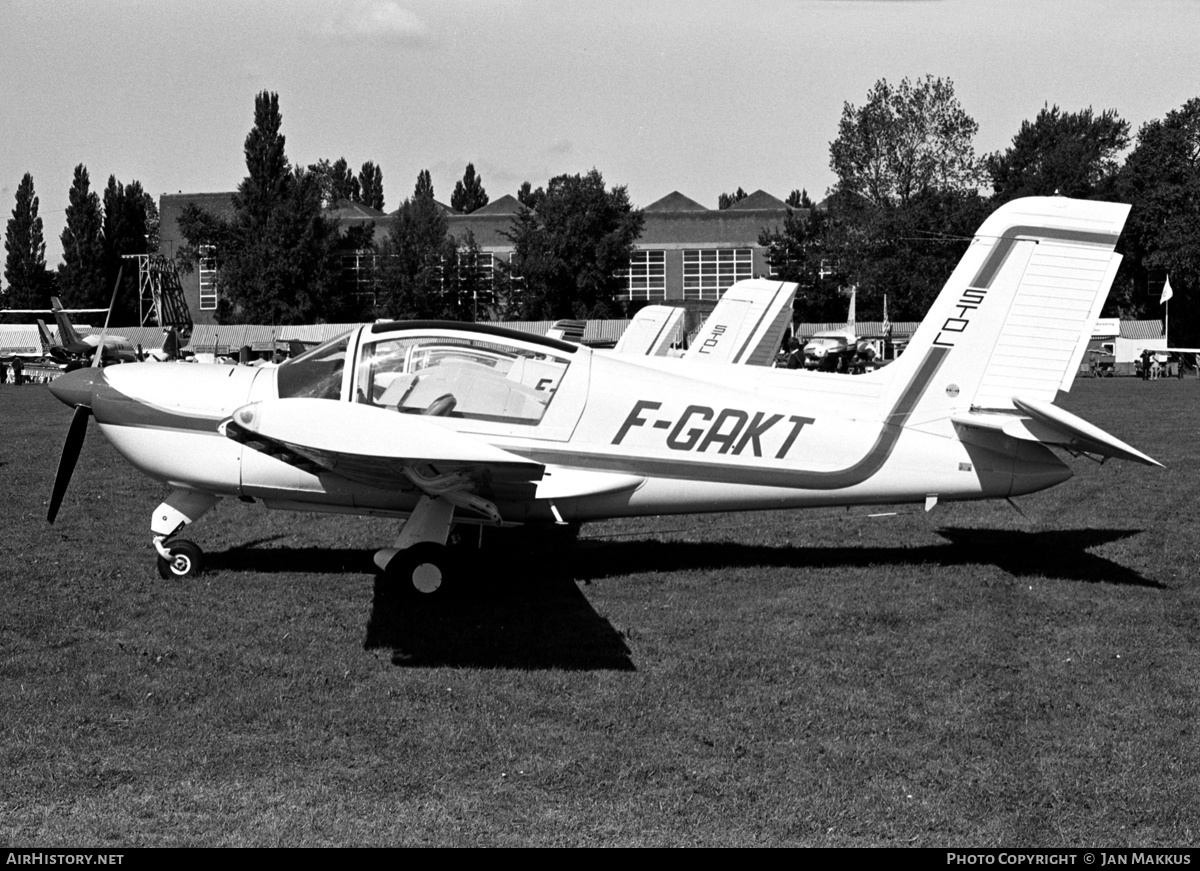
426,570
187,560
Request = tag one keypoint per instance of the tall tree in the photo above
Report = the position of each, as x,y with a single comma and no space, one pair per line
1161,179
412,263
1069,153
275,255
81,275
799,199
571,251
906,139
469,194
25,247
528,197
724,201
345,185
800,251
370,185
424,186
125,232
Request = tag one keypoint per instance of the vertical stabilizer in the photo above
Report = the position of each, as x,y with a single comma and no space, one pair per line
747,325
67,337
1010,320
652,331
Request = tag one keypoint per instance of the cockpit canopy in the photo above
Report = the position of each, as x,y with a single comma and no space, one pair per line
464,371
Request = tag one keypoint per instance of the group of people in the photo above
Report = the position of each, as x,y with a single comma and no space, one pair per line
1150,369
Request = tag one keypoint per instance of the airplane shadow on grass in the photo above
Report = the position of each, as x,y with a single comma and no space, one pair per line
516,612
1052,554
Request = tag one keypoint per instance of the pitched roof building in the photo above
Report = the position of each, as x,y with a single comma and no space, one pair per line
687,254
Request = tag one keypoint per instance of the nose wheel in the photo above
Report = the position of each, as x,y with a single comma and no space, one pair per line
185,559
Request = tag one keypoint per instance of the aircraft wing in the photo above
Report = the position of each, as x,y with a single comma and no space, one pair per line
747,325
378,447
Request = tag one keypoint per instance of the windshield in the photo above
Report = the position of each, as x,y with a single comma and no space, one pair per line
316,373
459,377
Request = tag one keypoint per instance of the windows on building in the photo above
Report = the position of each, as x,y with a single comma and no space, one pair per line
208,279
708,272
646,277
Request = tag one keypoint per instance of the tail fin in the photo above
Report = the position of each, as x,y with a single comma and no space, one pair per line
47,339
66,332
652,332
747,325
1011,319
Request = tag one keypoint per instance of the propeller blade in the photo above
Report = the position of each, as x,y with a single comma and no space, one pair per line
70,454
104,332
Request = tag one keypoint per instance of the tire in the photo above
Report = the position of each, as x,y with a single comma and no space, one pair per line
425,571
187,561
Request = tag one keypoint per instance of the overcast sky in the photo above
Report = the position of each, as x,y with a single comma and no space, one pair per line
698,96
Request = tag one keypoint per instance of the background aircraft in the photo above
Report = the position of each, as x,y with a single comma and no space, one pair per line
837,349
745,327
471,426
73,349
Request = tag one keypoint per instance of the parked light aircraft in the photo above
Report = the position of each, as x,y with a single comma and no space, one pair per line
834,349
71,348
447,423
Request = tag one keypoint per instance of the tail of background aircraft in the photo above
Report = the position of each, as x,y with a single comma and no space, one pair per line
47,339
747,325
66,332
652,331
1009,329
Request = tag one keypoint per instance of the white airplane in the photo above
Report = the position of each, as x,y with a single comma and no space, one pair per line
446,423
827,347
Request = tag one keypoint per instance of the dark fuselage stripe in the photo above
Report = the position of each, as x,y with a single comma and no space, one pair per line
722,471
114,408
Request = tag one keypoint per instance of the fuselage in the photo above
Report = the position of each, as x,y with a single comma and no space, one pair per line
617,435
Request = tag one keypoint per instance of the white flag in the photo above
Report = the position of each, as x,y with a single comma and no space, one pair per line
1167,292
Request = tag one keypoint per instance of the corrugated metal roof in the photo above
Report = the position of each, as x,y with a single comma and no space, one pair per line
1141,329
20,339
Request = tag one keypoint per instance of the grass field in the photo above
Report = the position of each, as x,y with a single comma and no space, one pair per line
967,677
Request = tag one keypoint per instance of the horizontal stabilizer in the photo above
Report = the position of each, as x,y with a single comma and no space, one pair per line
1081,435
1050,425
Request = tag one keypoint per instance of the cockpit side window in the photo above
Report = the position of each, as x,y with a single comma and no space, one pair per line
459,377
316,373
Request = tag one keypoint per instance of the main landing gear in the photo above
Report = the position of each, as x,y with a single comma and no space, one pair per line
419,561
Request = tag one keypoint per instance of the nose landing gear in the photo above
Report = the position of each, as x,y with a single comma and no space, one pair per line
179,558
184,559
